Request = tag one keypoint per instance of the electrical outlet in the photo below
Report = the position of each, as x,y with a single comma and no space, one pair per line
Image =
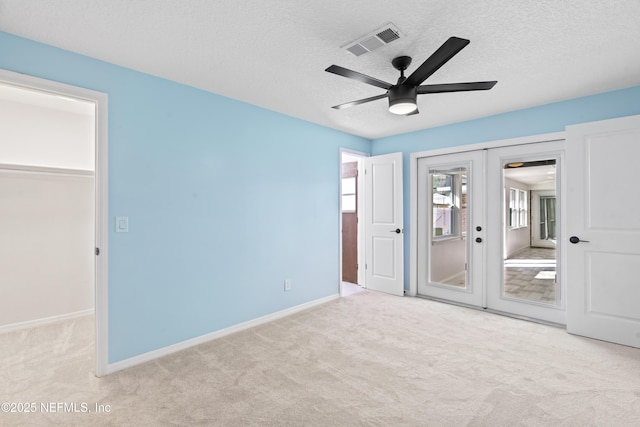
287,285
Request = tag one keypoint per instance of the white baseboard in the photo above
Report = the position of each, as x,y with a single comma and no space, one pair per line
155,354
44,321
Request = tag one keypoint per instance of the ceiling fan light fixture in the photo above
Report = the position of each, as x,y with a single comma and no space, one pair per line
402,108
402,99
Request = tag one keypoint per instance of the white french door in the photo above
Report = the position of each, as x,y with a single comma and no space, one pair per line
474,243
523,277
451,227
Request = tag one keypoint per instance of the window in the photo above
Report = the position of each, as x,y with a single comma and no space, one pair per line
349,194
518,208
548,218
513,216
449,192
523,208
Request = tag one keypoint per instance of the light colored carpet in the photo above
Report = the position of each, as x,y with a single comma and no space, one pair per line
367,359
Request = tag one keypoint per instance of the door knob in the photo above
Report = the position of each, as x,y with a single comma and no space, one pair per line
397,231
576,239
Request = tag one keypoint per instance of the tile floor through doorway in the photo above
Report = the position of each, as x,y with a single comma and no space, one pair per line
530,274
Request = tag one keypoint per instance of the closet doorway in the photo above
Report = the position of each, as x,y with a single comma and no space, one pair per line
66,178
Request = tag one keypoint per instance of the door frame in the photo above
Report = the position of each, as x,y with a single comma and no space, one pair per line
101,219
413,189
361,205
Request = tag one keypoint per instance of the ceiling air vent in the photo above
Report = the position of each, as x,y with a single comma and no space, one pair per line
374,40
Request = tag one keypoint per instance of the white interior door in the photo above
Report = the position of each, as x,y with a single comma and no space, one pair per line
384,229
451,227
603,230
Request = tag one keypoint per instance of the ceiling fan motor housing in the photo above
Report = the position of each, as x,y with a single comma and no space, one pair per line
402,98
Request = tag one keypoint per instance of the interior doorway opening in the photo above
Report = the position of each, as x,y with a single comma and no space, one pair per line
47,187
97,143
352,278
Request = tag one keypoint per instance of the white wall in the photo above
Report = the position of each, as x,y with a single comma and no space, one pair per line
46,250
39,136
46,217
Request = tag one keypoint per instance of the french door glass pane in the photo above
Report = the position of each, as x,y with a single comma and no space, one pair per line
448,200
530,268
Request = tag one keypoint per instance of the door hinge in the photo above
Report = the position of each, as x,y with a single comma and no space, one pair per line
97,251
366,267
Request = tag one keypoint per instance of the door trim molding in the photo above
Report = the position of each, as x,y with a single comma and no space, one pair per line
413,187
101,197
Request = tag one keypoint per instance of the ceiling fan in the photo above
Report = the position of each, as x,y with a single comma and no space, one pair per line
402,96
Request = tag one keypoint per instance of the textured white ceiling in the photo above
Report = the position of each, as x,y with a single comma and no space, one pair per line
273,53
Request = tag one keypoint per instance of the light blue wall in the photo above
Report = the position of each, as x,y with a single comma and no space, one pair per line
531,121
225,201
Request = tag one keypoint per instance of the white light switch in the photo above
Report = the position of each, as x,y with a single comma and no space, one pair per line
122,224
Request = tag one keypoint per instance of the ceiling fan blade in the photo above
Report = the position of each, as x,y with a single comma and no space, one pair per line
359,101
455,87
433,63
344,72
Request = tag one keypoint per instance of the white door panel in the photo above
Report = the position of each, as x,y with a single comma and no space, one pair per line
384,223
604,213
383,257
